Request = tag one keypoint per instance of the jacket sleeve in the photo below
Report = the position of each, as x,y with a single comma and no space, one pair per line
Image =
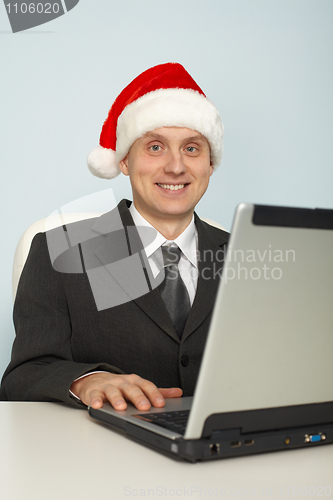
42,367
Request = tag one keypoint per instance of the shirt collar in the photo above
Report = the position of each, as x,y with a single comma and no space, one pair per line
187,241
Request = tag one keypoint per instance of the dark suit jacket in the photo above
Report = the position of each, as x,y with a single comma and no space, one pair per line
62,333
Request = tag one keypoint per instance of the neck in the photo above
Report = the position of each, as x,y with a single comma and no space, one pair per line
169,227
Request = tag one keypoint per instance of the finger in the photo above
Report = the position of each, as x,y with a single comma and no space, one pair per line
136,395
152,392
94,399
172,392
96,403
115,397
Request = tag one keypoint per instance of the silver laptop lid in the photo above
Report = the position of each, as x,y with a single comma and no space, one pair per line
271,338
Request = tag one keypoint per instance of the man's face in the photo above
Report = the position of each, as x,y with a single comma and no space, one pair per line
169,170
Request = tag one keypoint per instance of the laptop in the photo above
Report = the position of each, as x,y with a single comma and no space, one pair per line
266,377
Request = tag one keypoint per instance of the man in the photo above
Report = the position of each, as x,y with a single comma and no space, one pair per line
85,335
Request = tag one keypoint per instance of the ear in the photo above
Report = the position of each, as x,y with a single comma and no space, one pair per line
123,165
211,168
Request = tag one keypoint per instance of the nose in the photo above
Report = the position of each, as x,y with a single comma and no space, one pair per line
175,164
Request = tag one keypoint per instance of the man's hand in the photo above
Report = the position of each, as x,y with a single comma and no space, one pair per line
95,389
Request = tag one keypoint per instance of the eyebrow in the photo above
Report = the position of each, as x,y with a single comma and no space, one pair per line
187,139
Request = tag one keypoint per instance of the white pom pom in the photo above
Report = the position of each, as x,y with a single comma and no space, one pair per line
102,163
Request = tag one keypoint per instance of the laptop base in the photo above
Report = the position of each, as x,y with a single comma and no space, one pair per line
222,444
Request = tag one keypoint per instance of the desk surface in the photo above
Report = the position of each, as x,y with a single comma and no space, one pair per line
49,451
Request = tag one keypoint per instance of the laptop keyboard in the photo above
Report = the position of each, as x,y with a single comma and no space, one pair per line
173,420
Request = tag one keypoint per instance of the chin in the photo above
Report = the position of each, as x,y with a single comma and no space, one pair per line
178,212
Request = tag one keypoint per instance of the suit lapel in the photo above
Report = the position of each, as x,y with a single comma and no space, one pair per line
210,263
153,305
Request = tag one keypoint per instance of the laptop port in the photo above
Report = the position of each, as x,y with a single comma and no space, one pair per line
314,438
235,444
214,449
248,442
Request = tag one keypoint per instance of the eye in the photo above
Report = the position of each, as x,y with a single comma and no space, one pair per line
155,148
191,149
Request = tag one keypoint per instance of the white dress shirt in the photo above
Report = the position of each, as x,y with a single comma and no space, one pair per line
187,241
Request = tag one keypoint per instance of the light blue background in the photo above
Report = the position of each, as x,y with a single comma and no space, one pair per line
267,66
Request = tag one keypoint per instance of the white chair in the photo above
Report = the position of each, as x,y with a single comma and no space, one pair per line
23,246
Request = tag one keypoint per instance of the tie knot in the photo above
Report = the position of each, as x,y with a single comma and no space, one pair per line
171,255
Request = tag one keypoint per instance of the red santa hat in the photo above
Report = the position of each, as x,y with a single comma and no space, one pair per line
163,96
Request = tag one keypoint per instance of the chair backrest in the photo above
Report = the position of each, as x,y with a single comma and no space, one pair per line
23,246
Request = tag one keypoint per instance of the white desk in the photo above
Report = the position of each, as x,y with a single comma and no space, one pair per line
49,451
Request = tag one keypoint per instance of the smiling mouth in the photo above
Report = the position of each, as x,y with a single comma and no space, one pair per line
172,187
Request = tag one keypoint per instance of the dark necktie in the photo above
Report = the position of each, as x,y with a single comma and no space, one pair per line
173,290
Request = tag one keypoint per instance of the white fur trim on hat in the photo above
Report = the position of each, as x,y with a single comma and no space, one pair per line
170,108
102,163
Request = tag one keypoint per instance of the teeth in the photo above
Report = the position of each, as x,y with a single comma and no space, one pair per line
172,187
